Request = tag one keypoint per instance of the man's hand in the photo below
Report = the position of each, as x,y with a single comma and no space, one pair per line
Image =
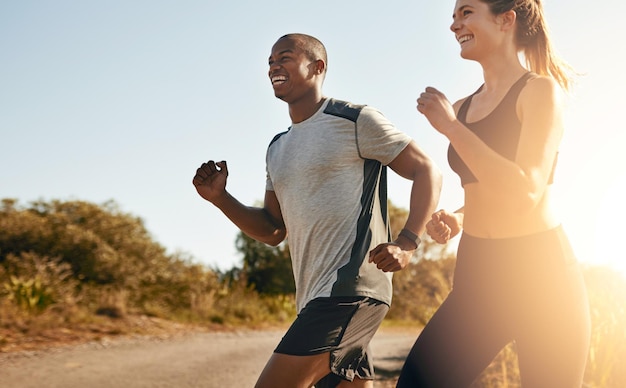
391,257
210,180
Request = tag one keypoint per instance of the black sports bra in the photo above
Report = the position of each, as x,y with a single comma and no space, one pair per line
500,130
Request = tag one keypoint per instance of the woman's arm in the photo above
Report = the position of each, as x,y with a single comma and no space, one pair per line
525,179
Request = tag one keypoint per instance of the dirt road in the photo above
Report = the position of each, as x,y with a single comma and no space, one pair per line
207,360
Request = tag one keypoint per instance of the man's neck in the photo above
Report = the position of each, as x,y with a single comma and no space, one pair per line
303,109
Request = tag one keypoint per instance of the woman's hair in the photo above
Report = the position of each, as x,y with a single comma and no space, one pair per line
533,38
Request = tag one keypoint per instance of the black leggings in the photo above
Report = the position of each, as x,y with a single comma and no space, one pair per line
528,290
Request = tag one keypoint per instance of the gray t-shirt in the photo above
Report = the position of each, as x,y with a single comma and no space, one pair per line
329,175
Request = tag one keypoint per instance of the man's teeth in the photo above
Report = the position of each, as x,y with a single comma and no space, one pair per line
465,38
278,79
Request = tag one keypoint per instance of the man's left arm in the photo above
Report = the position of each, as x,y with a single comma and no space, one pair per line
413,164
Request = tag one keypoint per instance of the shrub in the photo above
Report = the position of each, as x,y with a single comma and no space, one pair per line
607,297
34,283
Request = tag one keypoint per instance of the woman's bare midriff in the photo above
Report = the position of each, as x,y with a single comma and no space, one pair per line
489,216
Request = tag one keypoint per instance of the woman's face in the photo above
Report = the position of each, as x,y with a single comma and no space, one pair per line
475,28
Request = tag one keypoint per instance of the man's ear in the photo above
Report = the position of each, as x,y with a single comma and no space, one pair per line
320,66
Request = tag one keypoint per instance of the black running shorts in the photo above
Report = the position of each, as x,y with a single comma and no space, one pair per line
342,326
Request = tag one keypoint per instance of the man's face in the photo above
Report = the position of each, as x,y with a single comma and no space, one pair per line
291,72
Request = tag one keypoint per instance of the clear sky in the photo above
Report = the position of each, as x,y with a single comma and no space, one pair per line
123,100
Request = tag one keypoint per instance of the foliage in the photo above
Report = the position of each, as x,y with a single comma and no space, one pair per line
266,269
103,254
34,283
607,298
419,289
28,294
64,263
240,304
95,258
100,243
423,285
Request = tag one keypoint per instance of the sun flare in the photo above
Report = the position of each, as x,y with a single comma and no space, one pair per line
594,215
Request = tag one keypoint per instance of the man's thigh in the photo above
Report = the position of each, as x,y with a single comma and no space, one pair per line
327,344
284,370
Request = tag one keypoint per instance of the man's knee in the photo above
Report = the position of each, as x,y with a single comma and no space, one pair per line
356,383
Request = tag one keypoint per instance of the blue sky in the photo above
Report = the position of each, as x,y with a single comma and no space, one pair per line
123,100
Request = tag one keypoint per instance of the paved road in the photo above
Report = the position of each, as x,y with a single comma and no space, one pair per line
207,360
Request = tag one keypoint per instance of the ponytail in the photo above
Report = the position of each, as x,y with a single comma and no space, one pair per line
533,39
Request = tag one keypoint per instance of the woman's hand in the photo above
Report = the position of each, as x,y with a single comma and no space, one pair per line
435,106
444,225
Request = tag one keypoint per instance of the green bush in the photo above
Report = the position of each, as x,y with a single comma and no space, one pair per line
97,258
31,294
35,283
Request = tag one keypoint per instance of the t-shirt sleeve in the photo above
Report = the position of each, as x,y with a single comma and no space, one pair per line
378,138
269,186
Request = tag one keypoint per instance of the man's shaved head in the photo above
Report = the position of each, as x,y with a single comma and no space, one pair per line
312,47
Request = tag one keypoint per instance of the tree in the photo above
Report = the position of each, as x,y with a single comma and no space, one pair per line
267,269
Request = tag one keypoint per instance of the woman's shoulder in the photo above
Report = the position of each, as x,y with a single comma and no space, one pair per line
541,84
457,105
540,89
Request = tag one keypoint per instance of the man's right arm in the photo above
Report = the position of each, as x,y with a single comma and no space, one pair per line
263,224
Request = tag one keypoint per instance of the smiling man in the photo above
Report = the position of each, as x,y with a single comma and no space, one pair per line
326,190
